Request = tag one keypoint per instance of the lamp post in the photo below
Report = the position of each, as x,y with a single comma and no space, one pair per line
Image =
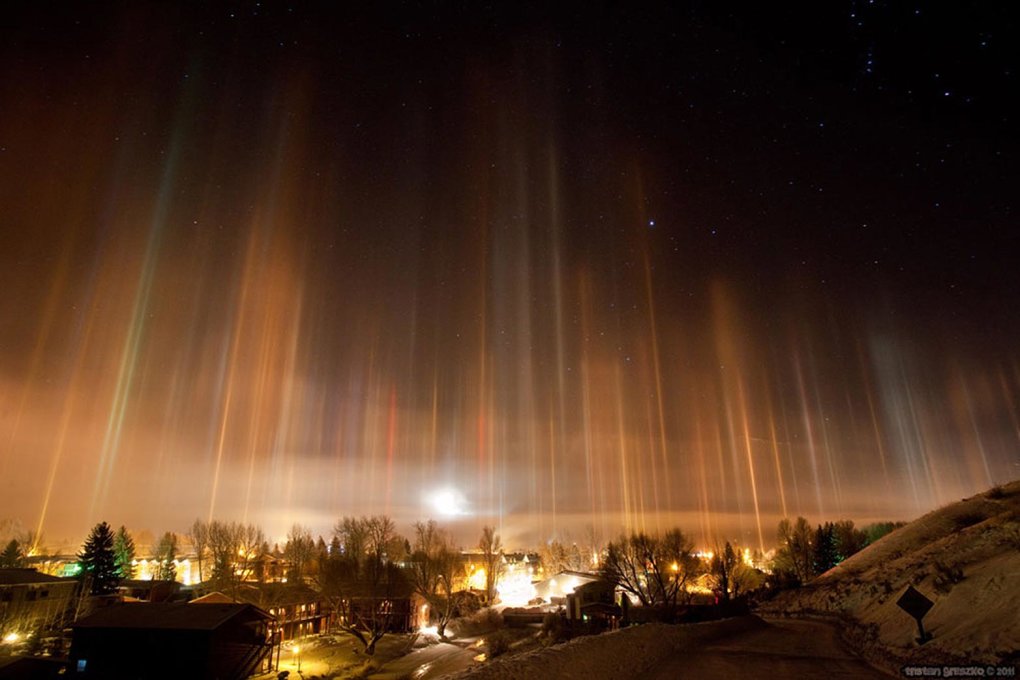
297,655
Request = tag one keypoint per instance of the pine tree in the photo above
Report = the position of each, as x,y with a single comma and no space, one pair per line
826,555
124,551
12,557
98,560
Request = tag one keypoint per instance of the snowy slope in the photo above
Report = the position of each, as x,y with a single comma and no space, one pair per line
965,557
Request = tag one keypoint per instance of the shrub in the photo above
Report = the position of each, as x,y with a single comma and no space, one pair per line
499,643
554,629
997,492
1011,534
967,519
946,577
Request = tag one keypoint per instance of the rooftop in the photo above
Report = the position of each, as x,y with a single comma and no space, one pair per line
167,615
18,577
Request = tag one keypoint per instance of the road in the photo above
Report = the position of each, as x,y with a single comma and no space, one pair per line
784,649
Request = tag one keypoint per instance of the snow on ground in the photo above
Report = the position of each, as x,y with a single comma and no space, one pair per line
621,654
433,661
974,618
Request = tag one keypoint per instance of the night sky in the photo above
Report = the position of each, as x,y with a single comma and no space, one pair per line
627,266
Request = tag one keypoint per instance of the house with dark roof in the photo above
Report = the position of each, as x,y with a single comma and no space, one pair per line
30,600
298,609
163,640
148,590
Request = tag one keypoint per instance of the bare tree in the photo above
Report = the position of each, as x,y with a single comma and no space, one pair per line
796,552
249,540
654,569
198,534
234,549
360,579
560,556
433,563
722,569
492,557
593,546
299,551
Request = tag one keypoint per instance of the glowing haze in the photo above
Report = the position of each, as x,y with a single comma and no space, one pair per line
281,268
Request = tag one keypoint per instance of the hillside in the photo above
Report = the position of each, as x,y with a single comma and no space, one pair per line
965,557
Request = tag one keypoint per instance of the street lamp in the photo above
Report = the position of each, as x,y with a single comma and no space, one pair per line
297,655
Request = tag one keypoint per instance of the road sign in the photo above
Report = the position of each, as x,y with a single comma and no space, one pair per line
914,603
917,605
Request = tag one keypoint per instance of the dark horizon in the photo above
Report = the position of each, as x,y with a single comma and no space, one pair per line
628,266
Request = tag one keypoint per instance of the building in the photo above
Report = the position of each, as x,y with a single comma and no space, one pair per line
172,640
148,590
30,600
297,610
585,596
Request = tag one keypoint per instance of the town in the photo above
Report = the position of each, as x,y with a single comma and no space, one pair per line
218,601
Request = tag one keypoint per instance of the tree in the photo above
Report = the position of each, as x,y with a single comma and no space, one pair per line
299,551
166,553
234,549
724,563
124,551
492,559
433,564
654,569
560,556
98,560
731,576
849,539
593,546
875,531
360,577
824,553
795,553
198,534
12,557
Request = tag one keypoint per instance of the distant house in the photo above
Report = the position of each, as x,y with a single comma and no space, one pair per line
30,600
585,596
149,591
172,640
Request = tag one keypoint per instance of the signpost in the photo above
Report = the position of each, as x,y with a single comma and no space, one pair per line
917,605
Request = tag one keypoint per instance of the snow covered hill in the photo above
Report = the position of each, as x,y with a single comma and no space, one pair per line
965,557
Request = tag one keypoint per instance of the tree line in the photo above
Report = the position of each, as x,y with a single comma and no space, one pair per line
805,552
360,572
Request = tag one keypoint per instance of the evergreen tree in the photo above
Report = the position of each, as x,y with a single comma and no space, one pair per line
849,539
12,557
124,551
166,553
98,560
826,554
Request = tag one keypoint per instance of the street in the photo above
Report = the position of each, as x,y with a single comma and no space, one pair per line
785,649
